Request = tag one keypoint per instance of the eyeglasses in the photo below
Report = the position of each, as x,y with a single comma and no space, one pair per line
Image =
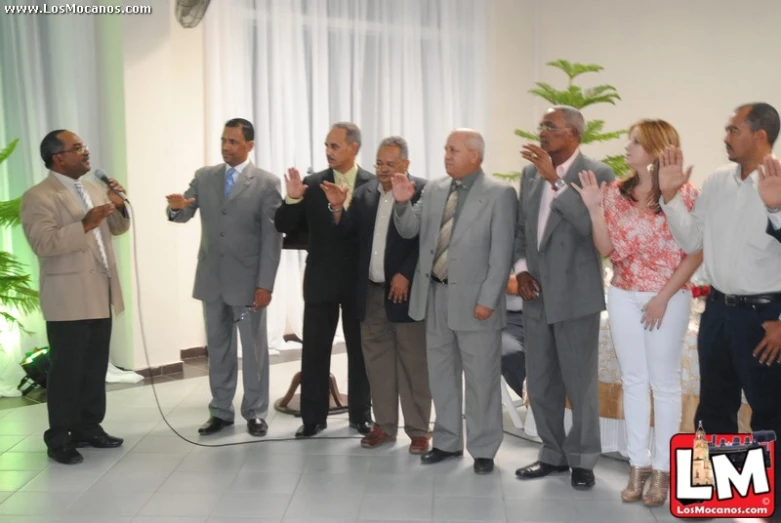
389,165
249,309
548,127
79,148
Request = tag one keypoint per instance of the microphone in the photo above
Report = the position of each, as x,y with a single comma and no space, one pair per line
103,178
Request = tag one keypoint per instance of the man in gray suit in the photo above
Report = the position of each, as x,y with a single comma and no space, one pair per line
465,223
237,266
560,279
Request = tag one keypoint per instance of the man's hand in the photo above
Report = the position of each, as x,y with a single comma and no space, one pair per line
483,313
294,187
671,175
113,196
541,160
512,286
528,287
336,194
770,181
403,188
178,201
96,215
262,299
769,349
399,289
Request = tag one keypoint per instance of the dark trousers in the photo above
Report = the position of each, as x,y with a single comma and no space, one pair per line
513,357
320,322
726,342
76,384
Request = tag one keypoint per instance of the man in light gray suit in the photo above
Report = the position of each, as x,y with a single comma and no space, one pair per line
466,223
237,266
559,275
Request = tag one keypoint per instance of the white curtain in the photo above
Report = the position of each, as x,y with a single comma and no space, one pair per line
53,75
414,68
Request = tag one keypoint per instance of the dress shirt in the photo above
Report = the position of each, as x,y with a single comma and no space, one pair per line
729,223
549,193
463,191
340,178
381,225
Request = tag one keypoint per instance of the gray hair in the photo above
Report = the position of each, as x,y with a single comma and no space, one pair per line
474,141
396,141
353,132
573,117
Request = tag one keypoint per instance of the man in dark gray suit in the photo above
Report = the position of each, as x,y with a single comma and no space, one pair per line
560,279
237,266
466,222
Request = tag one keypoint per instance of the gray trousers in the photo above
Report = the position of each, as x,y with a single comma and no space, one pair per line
395,357
223,361
562,362
476,354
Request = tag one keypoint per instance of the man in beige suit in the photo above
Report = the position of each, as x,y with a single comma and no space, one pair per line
69,223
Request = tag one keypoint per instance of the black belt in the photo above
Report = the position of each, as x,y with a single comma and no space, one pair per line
372,282
434,278
731,300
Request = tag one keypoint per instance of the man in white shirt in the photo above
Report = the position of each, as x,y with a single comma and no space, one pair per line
743,265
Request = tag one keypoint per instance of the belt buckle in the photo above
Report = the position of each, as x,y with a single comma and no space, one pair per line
731,300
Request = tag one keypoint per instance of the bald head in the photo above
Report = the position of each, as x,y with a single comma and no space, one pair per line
464,152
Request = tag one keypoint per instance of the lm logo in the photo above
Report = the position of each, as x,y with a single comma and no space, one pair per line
722,475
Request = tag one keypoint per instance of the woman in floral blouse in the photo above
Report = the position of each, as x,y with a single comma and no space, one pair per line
649,301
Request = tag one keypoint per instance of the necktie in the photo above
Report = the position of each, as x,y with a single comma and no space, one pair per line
440,269
230,179
85,199
341,180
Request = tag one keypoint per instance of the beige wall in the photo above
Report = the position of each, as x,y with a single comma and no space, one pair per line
688,62
164,114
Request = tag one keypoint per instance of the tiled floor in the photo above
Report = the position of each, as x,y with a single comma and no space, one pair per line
157,477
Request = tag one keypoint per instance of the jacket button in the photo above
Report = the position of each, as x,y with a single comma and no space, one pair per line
426,275
432,251
224,211
222,234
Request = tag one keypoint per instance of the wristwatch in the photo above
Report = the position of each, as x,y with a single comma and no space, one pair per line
558,184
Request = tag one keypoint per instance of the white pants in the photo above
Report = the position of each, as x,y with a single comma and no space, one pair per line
649,357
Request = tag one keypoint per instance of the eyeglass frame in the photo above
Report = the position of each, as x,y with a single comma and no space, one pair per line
81,149
547,127
391,165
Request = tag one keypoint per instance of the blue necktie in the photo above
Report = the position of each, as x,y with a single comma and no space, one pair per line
229,181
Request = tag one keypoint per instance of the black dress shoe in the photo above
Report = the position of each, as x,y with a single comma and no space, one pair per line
582,479
257,427
483,465
436,455
103,441
364,427
308,430
212,425
67,455
538,469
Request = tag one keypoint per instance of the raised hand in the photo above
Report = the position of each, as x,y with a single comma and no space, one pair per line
336,194
593,194
294,187
403,188
178,201
770,181
671,174
96,215
541,160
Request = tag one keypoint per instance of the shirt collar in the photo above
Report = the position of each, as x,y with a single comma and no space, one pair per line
562,169
68,182
468,180
239,168
753,177
349,175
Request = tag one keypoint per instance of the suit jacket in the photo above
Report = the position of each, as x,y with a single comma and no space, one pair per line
74,284
332,261
240,248
480,252
401,255
566,264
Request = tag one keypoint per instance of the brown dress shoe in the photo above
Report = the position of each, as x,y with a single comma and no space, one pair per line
375,438
419,445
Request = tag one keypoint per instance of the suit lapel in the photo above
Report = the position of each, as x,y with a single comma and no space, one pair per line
76,210
438,200
535,187
571,176
471,207
242,181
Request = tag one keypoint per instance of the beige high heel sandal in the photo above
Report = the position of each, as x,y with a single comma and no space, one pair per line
658,488
636,484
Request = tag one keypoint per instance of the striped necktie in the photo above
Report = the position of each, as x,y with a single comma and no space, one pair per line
440,268
85,199
230,179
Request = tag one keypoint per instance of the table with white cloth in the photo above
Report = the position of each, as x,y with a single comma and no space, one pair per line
611,410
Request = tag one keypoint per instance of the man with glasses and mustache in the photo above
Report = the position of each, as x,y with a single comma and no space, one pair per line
559,275
394,345
69,224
